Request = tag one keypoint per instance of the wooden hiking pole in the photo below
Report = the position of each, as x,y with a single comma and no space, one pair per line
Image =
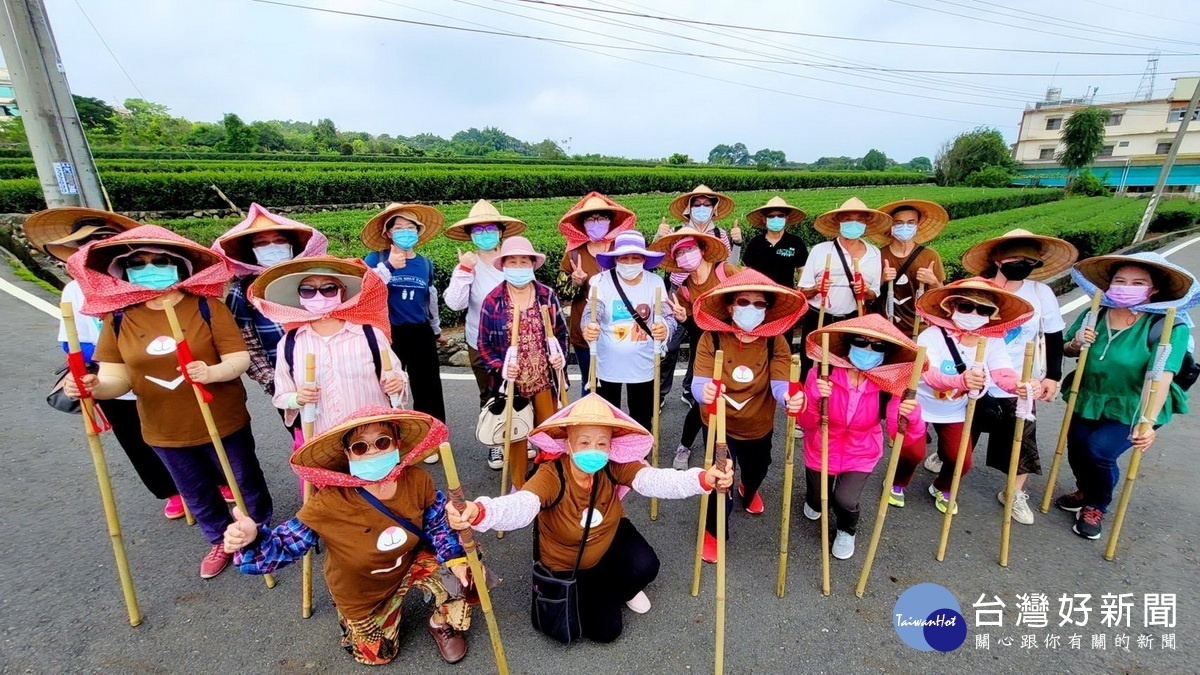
788,470
308,429
1014,455
1146,424
479,577
92,429
720,456
890,474
510,392
558,372
858,301
213,434
916,315
823,293
710,439
1088,322
963,443
592,351
891,303
654,421
824,409
187,513
385,363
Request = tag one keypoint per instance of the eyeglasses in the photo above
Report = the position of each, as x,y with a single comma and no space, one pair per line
359,448
968,307
595,216
480,229
328,290
138,263
874,345
746,302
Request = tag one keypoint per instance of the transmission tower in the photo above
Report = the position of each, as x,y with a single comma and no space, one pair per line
1145,90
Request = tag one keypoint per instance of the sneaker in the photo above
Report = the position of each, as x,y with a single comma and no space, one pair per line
810,513
1072,502
933,463
896,497
174,508
687,400
710,548
683,454
1021,511
640,603
843,545
226,494
215,562
755,507
941,500
433,459
495,460
530,452
1088,523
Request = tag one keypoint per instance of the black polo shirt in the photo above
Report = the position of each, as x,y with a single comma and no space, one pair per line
778,262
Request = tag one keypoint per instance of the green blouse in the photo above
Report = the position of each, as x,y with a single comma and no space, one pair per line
1116,367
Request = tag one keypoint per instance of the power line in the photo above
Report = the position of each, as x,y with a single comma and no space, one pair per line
1142,13
1065,23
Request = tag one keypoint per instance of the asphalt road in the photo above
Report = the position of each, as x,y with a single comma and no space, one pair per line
61,608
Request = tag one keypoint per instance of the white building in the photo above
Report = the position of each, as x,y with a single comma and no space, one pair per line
8,102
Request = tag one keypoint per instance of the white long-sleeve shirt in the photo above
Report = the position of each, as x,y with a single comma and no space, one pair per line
467,291
841,297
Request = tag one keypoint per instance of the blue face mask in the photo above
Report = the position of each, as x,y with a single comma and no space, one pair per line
154,276
776,224
700,214
852,229
375,468
485,241
518,276
865,359
904,232
405,239
589,461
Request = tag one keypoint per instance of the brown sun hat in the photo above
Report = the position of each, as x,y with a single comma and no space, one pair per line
1012,309
931,220
877,221
58,233
681,205
759,216
1055,254
712,312
280,283
238,245
711,246
483,212
428,219
322,461
1100,270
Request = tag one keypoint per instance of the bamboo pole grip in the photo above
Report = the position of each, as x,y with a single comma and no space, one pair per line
823,293
917,315
788,472
710,438
308,429
824,405
592,349
857,297
963,445
721,456
1014,456
385,364
655,312
510,392
559,373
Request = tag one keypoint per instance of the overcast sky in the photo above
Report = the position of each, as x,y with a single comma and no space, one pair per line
203,58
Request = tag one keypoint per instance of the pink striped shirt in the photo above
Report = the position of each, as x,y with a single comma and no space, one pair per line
345,372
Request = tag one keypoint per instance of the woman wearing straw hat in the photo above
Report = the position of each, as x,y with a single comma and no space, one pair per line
872,362
613,564
959,315
590,226
776,252
261,240
384,526
59,233
700,259
907,263
392,236
1138,289
530,365
128,279
629,326
1017,262
746,316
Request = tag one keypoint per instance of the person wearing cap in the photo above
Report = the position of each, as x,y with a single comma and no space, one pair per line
392,236
590,227
745,317
871,363
529,365
1018,261
261,240
629,327
384,529
1138,289
907,261
582,531
128,279
959,315
59,233
776,252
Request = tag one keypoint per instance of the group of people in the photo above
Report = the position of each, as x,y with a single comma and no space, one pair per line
348,347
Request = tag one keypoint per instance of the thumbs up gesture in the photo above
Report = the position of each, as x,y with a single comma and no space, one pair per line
926,276
889,272
663,228
241,532
735,232
467,260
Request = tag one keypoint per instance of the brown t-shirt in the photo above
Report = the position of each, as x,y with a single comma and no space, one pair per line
368,553
168,409
560,529
746,376
695,290
907,284
592,267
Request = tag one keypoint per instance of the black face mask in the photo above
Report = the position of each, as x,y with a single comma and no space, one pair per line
1018,270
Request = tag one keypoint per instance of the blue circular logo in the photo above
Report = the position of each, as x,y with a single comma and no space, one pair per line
928,617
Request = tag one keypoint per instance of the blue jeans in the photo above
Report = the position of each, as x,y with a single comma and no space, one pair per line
1093,450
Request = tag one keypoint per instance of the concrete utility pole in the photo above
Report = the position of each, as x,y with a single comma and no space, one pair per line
60,149
1156,196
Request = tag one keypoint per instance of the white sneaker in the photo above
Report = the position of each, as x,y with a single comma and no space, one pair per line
810,513
495,460
843,545
531,452
1021,511
933,463
433,459
683,455
640,603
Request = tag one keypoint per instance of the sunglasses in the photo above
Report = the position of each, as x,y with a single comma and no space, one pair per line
328,290
968,307
359,448
484,228
139,263
863,343
746,302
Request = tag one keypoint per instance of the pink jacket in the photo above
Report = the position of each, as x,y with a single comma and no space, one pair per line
855,443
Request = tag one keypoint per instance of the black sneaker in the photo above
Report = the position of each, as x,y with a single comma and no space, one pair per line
1072,502
1088,523
495,460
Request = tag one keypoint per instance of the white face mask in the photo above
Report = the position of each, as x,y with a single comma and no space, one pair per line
969,322
272,254
629,271
748,318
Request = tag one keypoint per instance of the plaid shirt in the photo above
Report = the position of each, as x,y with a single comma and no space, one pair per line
494,328
261,334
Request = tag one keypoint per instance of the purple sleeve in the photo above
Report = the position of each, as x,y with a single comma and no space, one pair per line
445,540
276,548
698,382
780,389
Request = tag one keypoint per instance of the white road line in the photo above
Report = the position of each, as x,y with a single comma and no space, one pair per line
30,299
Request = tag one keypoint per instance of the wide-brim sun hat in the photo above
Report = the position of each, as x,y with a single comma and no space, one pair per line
1172,283
681,206
56,231
322,461
280,283
711,247
794,216
102,255
1012,309
787,305
622,217
482,213
1055,254
518,245
239,245
428,219
876,221
626,243
893,374
630,441
932,219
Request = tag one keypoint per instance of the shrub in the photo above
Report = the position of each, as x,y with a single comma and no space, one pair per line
990,176
1086,184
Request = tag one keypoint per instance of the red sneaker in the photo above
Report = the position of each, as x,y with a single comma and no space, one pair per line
710,548
755,507
226,494
174,508
215,562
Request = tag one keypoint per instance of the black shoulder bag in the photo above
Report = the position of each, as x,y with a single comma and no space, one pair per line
555,605
988,411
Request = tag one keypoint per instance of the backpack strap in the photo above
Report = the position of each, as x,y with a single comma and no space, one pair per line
373,344
720,272
205,313
959,366
117,317
637,318
289,350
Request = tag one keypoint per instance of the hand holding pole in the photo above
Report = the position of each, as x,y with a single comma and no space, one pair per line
824,408
1010,486
656,316
710,438
963,448
721,456
788,471
308,429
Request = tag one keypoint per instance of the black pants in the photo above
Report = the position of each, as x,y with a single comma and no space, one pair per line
1000,440
416,346
127,427
754,458
640,395
691,426
845,491
667,367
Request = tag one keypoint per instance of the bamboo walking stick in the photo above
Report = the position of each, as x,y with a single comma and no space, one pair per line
721,455
824,281
308,429
963,444
91,430
1060,447
788,470
213,434
824,406
710,439
917,316
510,392
548,322
592,350
1144,425
654,421
479,577
890,474
1014,455
187,513
858,301
891,301
385,363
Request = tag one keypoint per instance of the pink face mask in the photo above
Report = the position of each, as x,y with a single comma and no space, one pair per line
319,304
1128,296
689,259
